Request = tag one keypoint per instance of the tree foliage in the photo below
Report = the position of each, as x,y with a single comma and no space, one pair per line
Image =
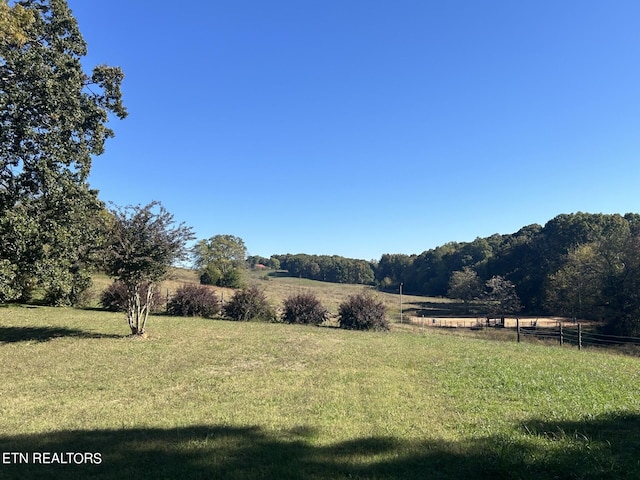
255,260
53,120
391,269
621,289
465,285
143,245
600,280
220,260
326,268
14,23
575,289
501,297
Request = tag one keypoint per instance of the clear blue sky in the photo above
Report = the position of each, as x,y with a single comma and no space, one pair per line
363,127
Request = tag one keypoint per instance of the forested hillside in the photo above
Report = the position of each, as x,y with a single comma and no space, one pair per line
583,265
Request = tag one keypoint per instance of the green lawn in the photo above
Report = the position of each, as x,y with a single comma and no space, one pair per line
216,399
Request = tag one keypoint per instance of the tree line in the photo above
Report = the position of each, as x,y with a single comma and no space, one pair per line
578,265
328,268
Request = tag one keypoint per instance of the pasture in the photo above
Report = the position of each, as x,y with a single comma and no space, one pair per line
217,399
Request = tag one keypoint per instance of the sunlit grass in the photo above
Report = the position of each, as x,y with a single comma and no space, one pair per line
209,398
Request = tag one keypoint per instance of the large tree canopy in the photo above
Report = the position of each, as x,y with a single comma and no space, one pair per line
53,120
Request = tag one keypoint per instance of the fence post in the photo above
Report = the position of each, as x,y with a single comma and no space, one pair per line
561,334
579,336
518,329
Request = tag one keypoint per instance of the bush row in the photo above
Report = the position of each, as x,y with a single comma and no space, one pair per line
359,312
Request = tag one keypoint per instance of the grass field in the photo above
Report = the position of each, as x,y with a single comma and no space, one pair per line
278,286
217,399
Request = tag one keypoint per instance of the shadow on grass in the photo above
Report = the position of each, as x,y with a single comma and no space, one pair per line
43,334
440,309
602,448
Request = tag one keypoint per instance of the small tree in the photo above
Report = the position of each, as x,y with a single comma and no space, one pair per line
249,304
143,246
502,297
363,312
465,285
304,308
224,254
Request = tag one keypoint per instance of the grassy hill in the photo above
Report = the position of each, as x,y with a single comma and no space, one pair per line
278,286
217,399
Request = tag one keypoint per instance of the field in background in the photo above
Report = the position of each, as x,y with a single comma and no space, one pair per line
418,311
278,286
217,399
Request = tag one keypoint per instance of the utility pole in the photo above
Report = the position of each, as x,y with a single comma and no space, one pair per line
400,302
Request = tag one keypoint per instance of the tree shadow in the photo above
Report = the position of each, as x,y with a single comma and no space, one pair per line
604,447
281,274
607,446
439,309
43,334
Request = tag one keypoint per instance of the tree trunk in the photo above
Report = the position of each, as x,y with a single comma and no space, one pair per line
145,310
134,309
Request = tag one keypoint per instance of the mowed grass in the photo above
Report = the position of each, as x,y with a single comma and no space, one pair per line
216,399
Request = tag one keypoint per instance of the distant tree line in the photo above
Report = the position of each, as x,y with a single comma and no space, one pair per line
327,268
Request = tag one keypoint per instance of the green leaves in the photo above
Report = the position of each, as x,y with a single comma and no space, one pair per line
144,244
53,119
14,24
220,260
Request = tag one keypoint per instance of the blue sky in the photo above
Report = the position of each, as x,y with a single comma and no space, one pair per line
363,127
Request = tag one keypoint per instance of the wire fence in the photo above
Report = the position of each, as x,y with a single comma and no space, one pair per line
576,336
550,331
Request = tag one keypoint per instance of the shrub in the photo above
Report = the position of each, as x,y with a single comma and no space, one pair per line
362,312
232,278
193,301
114,297
210,275
249,304
304,308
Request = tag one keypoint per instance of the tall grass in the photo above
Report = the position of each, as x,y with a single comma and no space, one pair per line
216,399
